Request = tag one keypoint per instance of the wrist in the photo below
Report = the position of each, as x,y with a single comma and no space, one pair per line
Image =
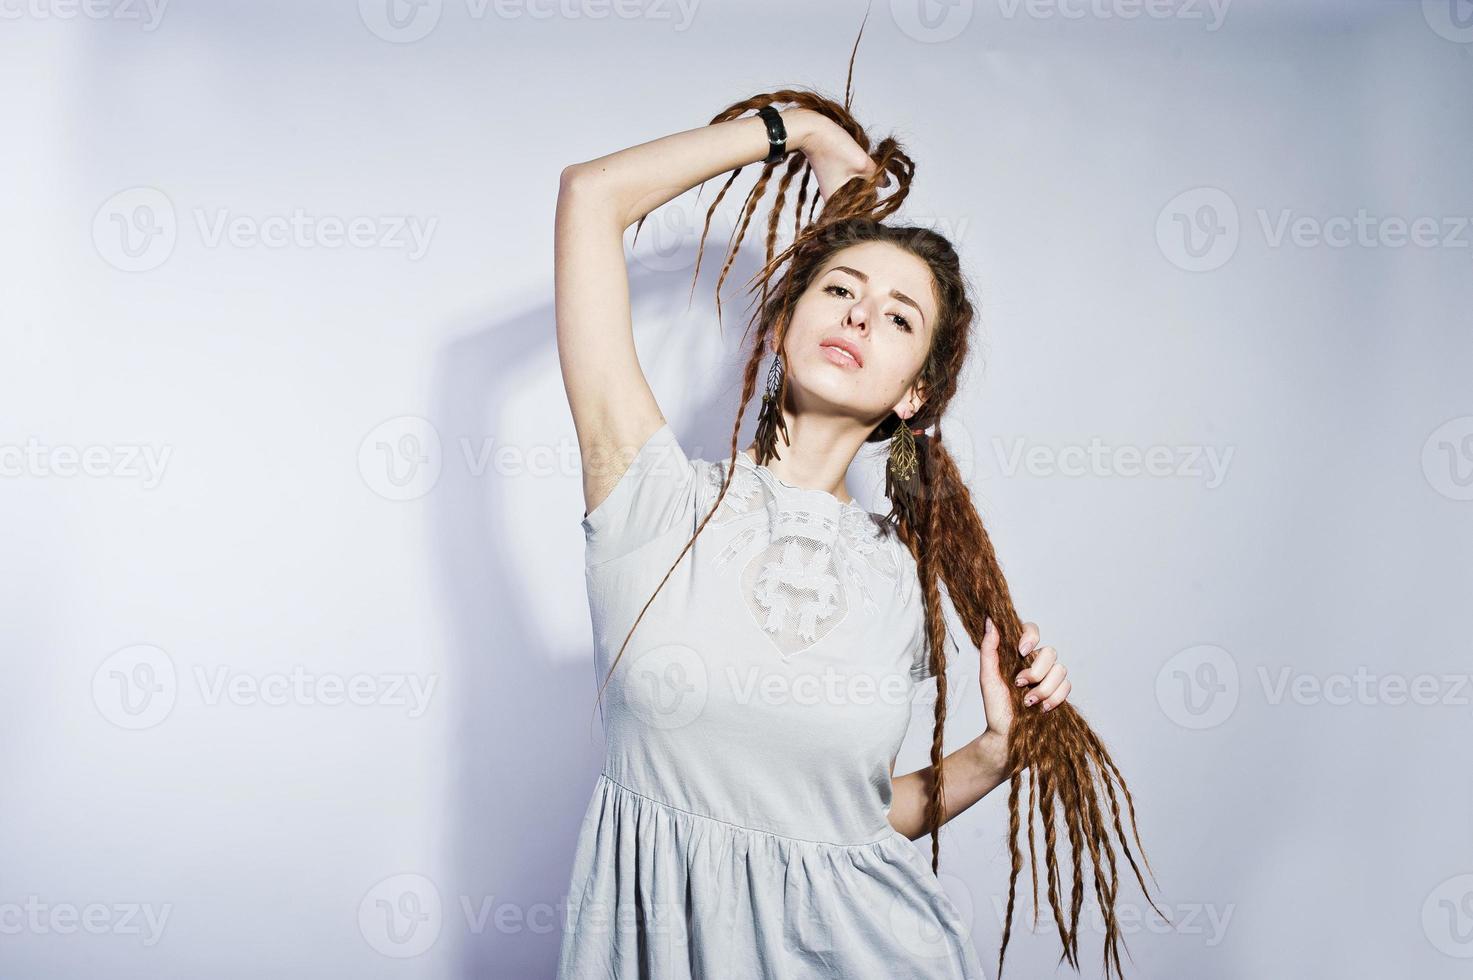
991,751
801,124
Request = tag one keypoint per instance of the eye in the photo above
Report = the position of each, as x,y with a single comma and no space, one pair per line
900,320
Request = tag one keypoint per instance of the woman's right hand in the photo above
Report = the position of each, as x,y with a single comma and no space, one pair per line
831,152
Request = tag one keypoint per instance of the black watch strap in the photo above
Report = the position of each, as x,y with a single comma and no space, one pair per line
777,134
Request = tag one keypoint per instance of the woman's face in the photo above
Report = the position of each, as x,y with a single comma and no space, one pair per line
875,300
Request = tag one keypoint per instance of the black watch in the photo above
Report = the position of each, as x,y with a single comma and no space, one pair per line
777,134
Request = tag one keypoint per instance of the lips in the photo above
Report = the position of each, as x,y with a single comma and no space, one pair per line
837,344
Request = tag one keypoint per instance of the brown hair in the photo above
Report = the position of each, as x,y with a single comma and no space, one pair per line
935,517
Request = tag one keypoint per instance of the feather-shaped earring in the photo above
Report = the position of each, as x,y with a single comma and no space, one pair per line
770,419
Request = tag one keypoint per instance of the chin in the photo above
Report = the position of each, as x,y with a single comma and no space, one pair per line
819,383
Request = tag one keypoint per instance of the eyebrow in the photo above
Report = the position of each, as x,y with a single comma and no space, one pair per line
894,292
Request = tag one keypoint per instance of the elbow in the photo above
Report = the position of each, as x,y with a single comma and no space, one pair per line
577,175
583,189
569,176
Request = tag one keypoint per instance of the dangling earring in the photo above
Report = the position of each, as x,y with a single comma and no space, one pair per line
903,458
902,480
770,419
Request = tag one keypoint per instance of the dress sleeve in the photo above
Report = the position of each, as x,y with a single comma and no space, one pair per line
653,496
920,656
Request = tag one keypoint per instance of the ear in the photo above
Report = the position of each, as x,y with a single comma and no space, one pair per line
910,403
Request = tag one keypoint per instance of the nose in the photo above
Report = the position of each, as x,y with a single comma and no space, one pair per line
857,318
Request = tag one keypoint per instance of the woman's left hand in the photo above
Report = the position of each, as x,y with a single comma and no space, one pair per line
1044,680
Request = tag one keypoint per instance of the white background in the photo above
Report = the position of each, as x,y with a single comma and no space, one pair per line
291,396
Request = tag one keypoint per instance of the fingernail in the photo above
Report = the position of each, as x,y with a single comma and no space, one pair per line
990,627
1048,707
1028,700
1021,680
1026,647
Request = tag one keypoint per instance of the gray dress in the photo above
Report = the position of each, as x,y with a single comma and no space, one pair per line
738,828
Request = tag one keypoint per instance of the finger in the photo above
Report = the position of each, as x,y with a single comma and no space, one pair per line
990,636
1045,688
1043,659
1029,640
1055,699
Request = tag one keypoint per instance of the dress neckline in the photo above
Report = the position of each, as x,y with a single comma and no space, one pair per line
752,464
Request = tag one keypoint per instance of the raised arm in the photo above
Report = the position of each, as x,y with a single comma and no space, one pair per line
614,410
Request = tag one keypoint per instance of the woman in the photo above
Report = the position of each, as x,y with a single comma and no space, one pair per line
748,822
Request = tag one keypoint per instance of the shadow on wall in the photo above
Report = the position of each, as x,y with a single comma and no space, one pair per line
528,742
